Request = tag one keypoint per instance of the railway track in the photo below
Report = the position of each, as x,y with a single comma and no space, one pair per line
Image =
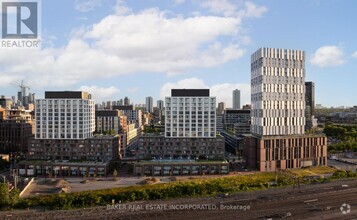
312,202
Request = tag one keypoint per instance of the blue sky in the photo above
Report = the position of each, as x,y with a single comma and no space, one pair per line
136,48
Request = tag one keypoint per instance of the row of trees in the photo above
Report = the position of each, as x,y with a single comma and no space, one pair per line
343,146
346,137
342,132
202,187
151,129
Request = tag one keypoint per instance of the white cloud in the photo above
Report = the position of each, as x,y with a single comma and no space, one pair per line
354,55
253,11
226,8
219,7
223,91
328,56
86,5
120,8
100,94
149,41
177,2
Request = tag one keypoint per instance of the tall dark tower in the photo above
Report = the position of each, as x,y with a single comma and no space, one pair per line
309,104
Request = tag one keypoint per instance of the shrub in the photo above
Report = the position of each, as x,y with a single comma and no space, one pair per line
339,174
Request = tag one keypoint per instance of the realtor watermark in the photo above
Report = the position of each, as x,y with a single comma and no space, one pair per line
20,24
180,207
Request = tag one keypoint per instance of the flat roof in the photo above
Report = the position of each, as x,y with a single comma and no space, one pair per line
123,107
107,113
66,95
190,92
184,161
52,162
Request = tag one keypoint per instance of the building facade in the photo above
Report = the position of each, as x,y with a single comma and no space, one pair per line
96,148
16,128
5,103
236,99
126,101
110,120
310,105
180,168
132,114
269,153
149,104
157,146
278,91
221,108
65,115
278,139
160,105
232,117
190,113
65,123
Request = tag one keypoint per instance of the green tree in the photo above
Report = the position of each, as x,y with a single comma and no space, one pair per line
4,195
8,199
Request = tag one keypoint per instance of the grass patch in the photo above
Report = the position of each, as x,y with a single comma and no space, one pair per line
313,171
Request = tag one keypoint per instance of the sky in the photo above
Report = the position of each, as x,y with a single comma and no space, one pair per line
137,48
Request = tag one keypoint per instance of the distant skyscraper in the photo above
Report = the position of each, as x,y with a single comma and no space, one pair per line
310,97
160,105
149,104
221,108
236,99
278,92
310,105
126,101
190,113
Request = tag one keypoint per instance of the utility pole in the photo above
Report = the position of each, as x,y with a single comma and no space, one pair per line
4,178
15,178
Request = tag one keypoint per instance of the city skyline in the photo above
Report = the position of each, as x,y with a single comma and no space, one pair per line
218,60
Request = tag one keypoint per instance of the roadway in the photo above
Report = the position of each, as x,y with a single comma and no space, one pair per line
341,165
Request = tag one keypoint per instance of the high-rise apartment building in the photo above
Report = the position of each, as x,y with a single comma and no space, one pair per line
110,120
190,113
160,105
65,115
310,96
278,113
236,99
190,135
234,117
278,91
310,105
149,104
132,114
65,123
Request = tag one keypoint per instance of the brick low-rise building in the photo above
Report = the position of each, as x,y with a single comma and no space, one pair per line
270,153
156,146
175,168
97,148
